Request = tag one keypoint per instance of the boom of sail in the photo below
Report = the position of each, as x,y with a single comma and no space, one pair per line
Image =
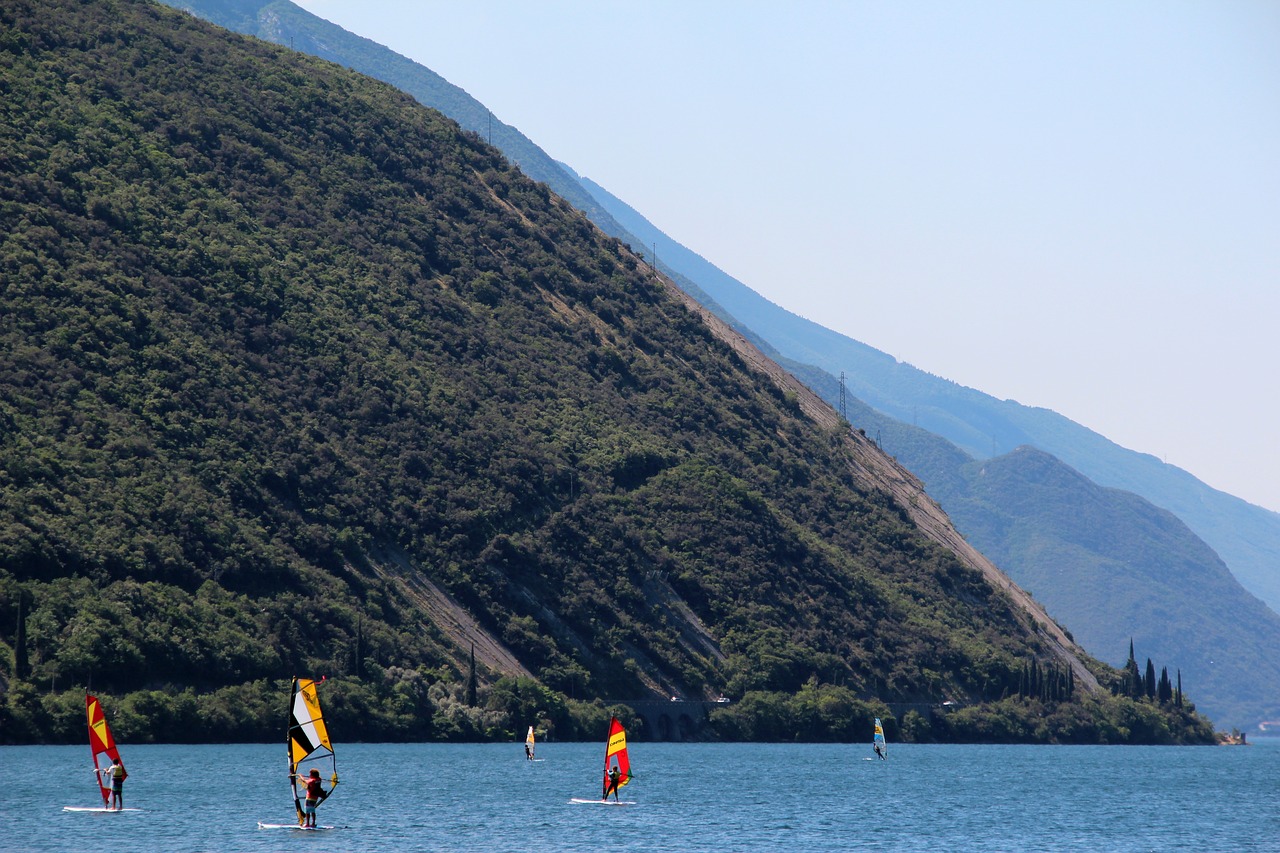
308,742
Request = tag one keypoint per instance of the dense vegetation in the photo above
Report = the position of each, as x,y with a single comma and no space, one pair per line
285,358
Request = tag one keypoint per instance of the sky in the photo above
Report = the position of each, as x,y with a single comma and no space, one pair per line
1072,204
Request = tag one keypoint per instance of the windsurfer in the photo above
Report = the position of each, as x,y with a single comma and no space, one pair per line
880,752
315,793
117,775
528,753
615,776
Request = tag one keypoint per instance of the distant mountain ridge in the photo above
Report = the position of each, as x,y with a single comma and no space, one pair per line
1116,568
1110,565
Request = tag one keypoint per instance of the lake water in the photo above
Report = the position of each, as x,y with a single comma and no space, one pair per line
722,797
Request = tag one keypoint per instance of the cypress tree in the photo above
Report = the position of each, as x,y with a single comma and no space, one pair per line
1133,680
358,664
1149,683
1178,696
1165,691
471,679
21,666
1132,677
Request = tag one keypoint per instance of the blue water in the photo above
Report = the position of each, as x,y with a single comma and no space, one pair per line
722,797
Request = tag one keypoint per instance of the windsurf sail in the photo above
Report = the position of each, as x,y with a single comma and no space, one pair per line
877,741
103,747
529,744
309,745
615,755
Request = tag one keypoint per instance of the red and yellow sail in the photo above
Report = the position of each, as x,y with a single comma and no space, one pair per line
615,754
101,744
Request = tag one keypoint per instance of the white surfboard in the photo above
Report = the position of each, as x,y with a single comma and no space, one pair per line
96,809
265,825
584,802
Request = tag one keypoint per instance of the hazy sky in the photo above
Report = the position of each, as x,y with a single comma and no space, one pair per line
1075,205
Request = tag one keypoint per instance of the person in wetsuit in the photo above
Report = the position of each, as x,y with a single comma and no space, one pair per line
615,776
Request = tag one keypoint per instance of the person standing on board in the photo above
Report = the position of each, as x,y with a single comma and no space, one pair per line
879,751
315,793
116,773
615,776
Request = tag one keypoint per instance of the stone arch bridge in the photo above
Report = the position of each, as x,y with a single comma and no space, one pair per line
671,719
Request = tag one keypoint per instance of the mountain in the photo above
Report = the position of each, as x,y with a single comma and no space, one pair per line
1247,537
1215,622
286,24
1230,690
281,22
1107,563
1071,539
299,377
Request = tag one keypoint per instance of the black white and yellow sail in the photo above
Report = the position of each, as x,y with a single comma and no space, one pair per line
309,744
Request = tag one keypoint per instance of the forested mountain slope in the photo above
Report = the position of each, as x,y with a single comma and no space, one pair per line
287,24
297,377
